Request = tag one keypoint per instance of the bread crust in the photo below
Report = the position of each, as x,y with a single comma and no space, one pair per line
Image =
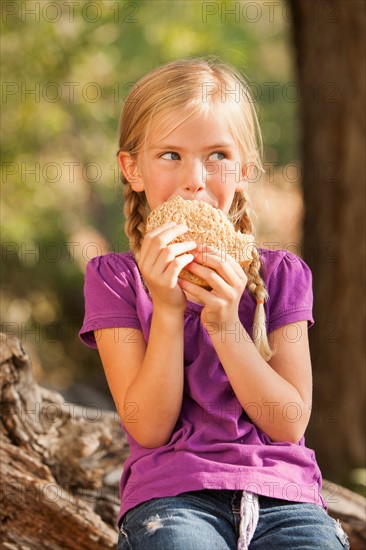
206,225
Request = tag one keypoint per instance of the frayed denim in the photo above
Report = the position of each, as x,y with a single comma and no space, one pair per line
210,520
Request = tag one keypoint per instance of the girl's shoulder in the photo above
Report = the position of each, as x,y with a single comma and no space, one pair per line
116,270
112,287
289,284
283,264
113,258
111,262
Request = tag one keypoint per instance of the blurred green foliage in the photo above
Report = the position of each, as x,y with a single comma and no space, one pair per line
67,68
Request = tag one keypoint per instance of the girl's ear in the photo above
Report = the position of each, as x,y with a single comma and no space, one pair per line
241,185
129,168
244,180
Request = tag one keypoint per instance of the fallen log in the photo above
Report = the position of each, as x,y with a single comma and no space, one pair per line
61,465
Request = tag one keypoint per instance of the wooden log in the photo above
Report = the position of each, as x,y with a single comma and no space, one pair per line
61,466
350,509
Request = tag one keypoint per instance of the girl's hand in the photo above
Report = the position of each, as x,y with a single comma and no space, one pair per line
227,280
160,263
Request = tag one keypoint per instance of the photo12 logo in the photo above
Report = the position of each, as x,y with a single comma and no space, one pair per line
69,11
326,11
244,12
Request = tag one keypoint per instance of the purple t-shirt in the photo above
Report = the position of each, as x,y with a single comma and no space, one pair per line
214,444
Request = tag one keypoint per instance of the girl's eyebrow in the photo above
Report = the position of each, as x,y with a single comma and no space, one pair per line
170,147
222,145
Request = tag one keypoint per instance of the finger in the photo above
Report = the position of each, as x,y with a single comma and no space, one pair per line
198,292
168,254
162,236
193,288
220,283
155,241
181,248
205,253
218,261
223,278
170,276
161,228
168,229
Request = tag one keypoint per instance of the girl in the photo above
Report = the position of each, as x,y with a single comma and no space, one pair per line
213,387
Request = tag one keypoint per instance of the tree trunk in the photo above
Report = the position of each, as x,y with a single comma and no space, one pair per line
329,38
61,467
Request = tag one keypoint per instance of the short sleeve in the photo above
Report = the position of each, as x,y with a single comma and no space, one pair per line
290,293
110,297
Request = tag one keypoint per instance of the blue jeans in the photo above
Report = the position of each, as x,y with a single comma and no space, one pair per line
209,520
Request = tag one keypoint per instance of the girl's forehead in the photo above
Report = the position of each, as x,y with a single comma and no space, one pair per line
182,121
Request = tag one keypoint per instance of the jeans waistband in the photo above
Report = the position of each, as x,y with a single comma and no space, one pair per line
270,502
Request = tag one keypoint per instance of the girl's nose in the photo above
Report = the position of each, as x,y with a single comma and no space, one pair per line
195,178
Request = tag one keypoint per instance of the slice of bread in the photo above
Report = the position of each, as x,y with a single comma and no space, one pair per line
206,225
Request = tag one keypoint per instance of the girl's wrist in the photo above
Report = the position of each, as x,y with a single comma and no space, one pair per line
226,320
168,313
216,328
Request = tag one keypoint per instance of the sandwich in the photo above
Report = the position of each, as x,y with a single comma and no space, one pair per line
206,225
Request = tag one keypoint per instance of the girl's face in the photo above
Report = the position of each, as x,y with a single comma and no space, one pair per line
198,159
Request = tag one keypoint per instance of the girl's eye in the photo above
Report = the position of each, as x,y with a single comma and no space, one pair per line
170,156
217,156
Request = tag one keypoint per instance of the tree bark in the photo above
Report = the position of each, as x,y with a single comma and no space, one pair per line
60,464
61,467
329,38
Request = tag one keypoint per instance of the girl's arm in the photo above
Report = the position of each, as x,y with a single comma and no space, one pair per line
275,395
146,380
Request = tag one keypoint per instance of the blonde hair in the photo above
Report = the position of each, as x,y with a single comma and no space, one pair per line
194,86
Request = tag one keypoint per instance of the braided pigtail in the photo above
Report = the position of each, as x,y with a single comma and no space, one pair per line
135,213
257,287
240,215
